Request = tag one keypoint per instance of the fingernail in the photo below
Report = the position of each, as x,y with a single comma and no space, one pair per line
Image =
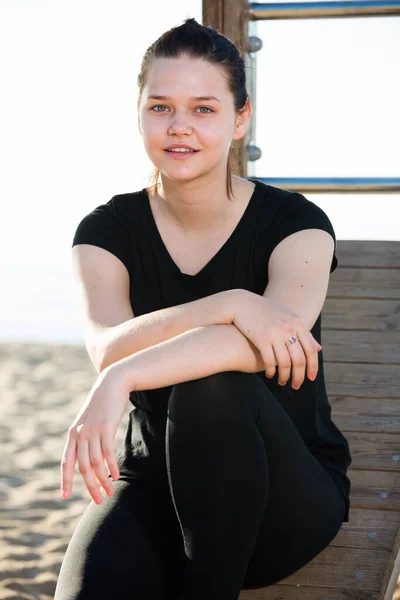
64,493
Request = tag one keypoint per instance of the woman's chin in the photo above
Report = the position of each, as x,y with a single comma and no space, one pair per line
180,176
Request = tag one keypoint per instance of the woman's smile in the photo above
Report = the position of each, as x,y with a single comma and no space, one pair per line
180,154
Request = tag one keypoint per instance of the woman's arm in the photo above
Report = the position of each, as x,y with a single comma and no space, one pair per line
148,330
191,355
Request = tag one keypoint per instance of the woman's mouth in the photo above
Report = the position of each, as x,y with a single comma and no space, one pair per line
181,155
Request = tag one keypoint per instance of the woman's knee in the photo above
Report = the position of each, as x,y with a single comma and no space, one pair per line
226,394
114,548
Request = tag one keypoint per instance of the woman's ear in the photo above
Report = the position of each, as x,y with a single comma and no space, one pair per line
242,121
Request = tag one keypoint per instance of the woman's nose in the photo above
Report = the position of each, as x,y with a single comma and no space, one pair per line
179,124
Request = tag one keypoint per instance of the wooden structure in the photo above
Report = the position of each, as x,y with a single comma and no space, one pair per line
361,341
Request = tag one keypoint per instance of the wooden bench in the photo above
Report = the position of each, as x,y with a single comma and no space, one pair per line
361,345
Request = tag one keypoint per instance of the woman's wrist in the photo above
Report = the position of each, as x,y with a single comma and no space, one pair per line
223,306
122,374
238,298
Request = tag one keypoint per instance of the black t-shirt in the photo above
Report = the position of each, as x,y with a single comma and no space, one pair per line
125,226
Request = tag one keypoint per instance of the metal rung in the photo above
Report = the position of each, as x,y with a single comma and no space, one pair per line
323,10
352,185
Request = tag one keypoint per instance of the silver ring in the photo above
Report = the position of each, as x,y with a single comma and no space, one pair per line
292,340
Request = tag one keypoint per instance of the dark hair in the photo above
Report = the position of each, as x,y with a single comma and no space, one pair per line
200,41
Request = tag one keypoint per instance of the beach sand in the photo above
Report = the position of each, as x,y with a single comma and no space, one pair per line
42,388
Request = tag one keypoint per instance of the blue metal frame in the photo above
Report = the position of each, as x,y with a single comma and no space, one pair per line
316,10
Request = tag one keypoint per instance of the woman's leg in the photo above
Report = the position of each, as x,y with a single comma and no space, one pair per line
123,548
253,503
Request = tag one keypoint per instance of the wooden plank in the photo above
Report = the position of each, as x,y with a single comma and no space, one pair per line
332,568
365,283
212,13
362,380
374,415
367,253
355,565
374,489
280,592
361,346
353,313
369,529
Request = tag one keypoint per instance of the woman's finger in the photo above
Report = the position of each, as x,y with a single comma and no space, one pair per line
269,359
86,471
309,356
68,461
284,361
108,449
311,352
98,466
299,363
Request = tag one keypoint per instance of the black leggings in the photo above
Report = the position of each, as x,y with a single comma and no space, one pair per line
240,503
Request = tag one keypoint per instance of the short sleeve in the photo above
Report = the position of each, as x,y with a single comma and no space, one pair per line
107,227
296,213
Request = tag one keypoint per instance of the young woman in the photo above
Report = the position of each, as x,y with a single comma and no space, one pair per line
202,298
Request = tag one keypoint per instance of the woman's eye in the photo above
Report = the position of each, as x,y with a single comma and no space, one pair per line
209,110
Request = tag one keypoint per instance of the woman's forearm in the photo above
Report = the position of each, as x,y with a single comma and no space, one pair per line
150,329
191,355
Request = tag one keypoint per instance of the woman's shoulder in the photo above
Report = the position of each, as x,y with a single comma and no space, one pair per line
127,199
279,194
279,204
115,217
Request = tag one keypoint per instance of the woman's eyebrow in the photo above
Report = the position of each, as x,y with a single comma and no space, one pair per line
196,98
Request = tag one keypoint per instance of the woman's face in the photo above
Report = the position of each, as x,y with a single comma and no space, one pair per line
183,115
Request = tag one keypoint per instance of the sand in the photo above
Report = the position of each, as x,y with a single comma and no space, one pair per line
42,388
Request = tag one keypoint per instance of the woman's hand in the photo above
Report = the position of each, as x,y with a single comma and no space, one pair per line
269,325
91,437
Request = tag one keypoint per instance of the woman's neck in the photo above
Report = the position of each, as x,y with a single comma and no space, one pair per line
192,207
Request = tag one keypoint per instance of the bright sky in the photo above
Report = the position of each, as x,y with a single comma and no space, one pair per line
328,97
